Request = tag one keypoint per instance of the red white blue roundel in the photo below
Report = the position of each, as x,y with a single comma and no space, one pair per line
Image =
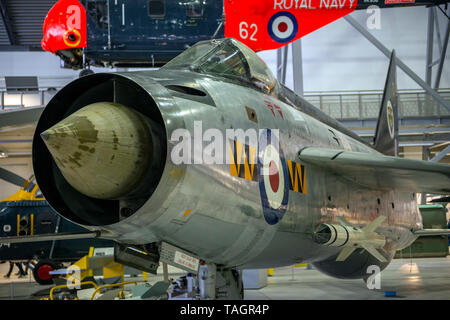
282,27
273,177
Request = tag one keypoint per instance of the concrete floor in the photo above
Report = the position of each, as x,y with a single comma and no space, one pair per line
427,279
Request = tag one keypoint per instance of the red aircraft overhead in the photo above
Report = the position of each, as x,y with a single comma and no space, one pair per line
264,25
65,27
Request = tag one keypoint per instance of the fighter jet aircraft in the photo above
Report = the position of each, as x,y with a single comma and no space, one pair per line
212,164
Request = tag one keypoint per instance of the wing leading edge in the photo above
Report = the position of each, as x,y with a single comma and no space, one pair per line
381,172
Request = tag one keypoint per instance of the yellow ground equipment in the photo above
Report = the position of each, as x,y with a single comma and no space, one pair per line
80,275
99,262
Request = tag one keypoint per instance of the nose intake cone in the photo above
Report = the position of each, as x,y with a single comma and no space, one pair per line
102,150
44,135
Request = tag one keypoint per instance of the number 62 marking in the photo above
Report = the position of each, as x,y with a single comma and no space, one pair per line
243,32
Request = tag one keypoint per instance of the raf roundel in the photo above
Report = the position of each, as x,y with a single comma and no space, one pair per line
390,118
282,27
273,177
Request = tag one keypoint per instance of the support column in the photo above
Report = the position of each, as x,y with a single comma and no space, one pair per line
297,66
429,53
443,53
165,272
207,281
426,157
282,54
279,64
284,64
429,60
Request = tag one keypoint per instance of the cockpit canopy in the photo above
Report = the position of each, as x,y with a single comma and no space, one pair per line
227,58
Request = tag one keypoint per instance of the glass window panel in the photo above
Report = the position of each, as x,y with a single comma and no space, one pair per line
156,8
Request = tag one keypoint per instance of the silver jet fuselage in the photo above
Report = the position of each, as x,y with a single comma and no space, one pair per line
205,209
207,154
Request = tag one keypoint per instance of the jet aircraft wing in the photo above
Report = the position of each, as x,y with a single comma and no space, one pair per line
381,172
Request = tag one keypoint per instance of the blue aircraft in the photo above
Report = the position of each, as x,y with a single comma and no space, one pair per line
27,213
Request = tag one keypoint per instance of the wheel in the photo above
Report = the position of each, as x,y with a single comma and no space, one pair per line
41,272
85,72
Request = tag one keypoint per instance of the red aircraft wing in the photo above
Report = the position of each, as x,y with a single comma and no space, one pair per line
65,27
271,24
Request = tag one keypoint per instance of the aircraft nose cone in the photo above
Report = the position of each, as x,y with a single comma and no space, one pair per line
44,135
102,150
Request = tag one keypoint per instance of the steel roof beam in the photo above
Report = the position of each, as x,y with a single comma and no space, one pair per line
430,38
400,63
7,22
441,154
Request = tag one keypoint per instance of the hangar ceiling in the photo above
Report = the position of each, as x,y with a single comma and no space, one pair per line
22,28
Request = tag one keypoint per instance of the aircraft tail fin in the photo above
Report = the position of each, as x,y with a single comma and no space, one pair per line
386,133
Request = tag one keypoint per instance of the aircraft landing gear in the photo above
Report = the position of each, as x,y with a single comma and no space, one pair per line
212,282
85,72
229,285
86,68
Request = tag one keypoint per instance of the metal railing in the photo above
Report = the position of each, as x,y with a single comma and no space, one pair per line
342,105
360,105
